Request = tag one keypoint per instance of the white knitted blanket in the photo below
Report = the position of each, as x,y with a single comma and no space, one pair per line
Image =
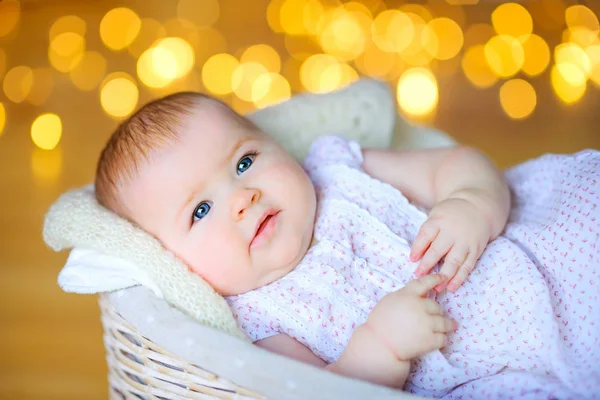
363,111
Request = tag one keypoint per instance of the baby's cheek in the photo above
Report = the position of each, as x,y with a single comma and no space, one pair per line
292,174
214,257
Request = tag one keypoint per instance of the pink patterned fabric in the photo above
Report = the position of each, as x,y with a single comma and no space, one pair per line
528,315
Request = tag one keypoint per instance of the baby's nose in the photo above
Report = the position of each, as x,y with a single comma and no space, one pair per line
242,201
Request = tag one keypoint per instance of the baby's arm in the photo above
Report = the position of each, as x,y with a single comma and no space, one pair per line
468,197
363,358
404,325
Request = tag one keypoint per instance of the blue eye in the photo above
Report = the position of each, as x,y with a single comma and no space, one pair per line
245,163
201,210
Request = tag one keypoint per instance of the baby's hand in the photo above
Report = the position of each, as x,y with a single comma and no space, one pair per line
456,230
408,323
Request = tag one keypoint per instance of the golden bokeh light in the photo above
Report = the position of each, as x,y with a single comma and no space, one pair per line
314,17
398,68
505,55
261,86
148,74
2,118
478,34
89,72
301,47
447,68
573,63
240,106
66,51
322,73
512,19
179,27
375,62
343,36
518,98
549,14
206,43
68,23
290,16
270,89
593,53
18,82
441,9
243,78
262,54
343,74
572,74
424,45
449,35
273,18
43,84
151,30
537,55
417,9
2,62
359,8
477,69
417,92
199,12
173,58
291,72
579,16
10,12
46,131
119,95
46,166
392,31
421,38
581,36
567,92
217,73
119,28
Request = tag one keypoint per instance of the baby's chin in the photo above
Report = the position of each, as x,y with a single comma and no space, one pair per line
288,259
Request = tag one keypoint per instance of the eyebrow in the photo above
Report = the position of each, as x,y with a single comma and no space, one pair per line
234,149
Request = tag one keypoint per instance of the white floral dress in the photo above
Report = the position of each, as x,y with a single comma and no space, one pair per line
528,315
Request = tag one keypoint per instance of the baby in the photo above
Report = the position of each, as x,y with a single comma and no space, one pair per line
318,262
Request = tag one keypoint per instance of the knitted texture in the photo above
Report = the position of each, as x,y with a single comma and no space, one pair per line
363,111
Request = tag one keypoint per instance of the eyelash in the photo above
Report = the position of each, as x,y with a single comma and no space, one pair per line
253,154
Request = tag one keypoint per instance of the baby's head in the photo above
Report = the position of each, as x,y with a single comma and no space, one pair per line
216,191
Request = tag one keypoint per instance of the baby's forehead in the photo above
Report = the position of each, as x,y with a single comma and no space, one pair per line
216,125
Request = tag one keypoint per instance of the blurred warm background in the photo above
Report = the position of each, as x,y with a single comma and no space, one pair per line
516,80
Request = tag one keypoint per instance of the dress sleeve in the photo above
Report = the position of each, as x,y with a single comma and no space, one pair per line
254,322
331,150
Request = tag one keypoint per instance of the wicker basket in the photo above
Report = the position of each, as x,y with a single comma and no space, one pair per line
140,369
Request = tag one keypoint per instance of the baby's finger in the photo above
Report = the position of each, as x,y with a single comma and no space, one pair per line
432,307
427,234
436,251
439,340
453,261
463,272
423,285
442,324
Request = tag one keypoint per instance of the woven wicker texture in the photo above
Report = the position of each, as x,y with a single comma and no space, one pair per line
138,368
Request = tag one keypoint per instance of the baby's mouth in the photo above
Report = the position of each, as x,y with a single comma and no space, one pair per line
263,223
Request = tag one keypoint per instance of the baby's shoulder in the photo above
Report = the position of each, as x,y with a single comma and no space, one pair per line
331,150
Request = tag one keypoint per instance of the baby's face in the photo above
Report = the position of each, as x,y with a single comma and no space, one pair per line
227,200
